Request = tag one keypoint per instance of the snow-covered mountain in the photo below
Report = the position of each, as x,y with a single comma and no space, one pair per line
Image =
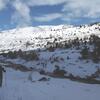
30,38
59,73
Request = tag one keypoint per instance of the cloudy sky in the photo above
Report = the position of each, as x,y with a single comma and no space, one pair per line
18,13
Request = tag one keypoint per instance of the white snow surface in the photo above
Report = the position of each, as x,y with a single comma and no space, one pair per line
37,37
19,85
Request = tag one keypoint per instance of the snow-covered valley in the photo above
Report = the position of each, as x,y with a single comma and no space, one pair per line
17,87
47,62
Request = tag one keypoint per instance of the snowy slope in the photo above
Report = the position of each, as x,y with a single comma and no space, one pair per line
65,59
49,60
37,37
18,87
30,84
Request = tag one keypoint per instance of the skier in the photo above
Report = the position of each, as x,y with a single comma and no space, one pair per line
1,75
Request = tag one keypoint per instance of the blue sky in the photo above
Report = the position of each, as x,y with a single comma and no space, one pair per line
19,13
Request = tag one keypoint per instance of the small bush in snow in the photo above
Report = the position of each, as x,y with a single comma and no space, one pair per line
85,53
59,72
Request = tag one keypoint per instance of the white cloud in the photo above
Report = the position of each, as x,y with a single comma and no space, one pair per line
22,13
48,17
44,2
3,4
82,8
72,10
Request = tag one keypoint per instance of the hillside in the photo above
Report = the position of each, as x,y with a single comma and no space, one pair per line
30,38
51,62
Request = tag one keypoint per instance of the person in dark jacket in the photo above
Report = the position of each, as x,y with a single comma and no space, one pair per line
1,75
